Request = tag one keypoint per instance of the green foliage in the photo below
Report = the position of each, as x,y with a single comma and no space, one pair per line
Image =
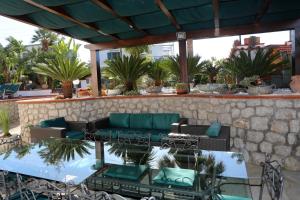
137,50
65,65
193,64
263,62
2,79
131,93
128,70
211,69
45,37
248,81
157,72
4,121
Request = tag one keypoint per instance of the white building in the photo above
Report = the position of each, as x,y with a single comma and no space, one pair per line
157,51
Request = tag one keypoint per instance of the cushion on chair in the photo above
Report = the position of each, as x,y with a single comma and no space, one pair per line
57,122
164,120
141,120
75,135
119,120
175,177
228,197
214,129
132,173
111,132
157,135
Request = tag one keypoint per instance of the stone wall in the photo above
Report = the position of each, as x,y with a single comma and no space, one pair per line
258,126
12,108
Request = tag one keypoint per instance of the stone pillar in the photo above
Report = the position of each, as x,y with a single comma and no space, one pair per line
190,50
96,73
183,61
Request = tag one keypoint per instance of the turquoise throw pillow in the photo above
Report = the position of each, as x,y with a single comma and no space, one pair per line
57,122
214,129
119,120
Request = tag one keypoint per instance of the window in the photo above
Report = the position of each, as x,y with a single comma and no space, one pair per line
112,55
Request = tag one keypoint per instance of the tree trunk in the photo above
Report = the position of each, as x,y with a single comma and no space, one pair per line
129,86
67,87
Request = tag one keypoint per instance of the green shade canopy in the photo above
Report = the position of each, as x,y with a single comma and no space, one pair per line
131,19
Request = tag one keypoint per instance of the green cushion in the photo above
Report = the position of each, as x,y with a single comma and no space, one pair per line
175,177
119,120
141,120
132,173
156,135
57,122
228,197
110,132
164,120
75,135
214,129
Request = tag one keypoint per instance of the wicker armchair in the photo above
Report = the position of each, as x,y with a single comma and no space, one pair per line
220,143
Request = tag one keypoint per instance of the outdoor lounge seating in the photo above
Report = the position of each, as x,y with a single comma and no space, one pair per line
131,173
58,128
144,126
9,89
218,143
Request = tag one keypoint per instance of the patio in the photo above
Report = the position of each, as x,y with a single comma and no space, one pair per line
259,124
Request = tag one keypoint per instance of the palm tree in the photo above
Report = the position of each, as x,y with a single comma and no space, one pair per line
65,66
193,64
137,50
261,62
157,72
45,37
4,122
211,69
127,70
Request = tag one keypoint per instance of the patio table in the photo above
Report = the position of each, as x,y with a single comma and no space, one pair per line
60,160
154,162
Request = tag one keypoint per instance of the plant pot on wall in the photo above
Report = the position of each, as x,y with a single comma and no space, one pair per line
182,88
67,87
295,83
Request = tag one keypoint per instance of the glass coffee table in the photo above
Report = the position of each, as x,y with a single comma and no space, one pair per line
63,160
167,173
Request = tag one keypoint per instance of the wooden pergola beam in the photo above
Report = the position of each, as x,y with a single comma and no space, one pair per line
167,13
59,12
205,33
104,5
216,12
263,10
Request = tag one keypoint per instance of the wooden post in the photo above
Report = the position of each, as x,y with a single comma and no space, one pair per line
295,36
189,44
183,61
95,71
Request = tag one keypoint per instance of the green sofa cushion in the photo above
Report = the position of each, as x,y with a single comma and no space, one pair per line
175,177
132,173
228,197
119,120
157,135
79,135
214,129
164,120
141,120
57,122
110,132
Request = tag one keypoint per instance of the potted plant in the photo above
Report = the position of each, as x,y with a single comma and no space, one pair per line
158,74
83,92
65,66
256,86
182,88
4,121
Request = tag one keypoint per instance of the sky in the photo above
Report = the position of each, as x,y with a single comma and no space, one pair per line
206,48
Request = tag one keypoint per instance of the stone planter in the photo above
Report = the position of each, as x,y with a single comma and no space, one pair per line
211,87
83,93
181,91
295,83
154,89
113,92
256,90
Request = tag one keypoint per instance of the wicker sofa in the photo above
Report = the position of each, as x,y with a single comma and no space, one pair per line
219,143
58,128
151,126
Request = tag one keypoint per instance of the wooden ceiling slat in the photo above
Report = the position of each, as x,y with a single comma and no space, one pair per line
60,12
104,5
168,14
263,10
200,34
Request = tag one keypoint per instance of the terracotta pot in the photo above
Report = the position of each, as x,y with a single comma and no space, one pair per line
179,91
83,93
295,83
67,87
